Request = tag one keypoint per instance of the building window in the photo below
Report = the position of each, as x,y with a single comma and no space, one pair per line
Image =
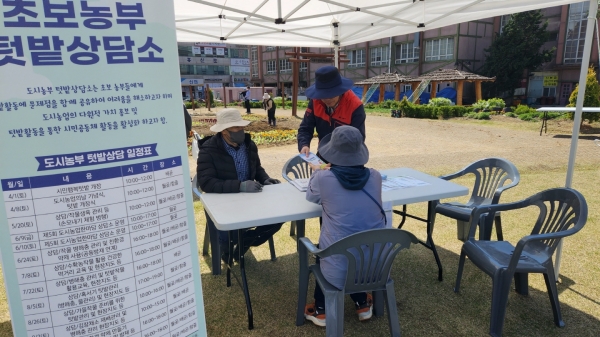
503,21
379,56
406,53
271,67
185,50
576,27
304,66
238,53
202,70
186,69
284,66
549,92
356,57
304,50
407,88
254,61
270,48
440,49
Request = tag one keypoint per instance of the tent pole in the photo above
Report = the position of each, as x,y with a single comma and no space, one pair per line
336,45
585,62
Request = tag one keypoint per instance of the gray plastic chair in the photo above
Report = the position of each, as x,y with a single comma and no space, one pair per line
562,212
211,238
299,169
371,274
492,176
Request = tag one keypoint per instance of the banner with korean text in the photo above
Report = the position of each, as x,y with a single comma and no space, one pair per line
96,217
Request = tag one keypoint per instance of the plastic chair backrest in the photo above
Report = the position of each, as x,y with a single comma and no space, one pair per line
491,175
297,167
370,256
562,212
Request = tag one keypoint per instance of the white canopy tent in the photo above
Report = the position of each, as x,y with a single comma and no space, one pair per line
335,23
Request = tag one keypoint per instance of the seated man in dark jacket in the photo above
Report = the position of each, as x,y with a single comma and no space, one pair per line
228,163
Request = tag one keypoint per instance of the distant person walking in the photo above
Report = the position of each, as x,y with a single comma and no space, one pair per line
269,105
247,100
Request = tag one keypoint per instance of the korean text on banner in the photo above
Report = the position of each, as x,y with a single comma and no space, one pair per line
96,220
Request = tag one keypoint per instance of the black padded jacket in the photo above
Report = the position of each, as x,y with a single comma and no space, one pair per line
216,169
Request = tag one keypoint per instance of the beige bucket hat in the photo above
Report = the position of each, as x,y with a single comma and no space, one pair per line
227,118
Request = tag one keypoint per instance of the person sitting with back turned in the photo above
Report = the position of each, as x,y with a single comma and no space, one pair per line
332,104
350,195
228,162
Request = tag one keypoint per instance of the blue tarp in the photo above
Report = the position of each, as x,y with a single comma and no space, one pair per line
449,93
389,95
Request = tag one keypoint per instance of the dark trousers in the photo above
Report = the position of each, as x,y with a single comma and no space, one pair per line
247,105
253,237
359,298
271,115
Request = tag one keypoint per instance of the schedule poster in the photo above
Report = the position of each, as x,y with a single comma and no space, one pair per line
96,217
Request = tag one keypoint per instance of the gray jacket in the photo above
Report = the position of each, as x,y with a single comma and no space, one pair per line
345,212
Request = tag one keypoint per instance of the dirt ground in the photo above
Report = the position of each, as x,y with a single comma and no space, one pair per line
204,119
443,146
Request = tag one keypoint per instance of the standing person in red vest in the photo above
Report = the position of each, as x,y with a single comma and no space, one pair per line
331,104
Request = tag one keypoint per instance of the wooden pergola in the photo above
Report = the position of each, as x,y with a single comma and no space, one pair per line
454,75
382,80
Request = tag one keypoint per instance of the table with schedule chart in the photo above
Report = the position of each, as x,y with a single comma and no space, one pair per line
104,252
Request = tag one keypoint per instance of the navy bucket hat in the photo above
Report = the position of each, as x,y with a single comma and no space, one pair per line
345,146
328,84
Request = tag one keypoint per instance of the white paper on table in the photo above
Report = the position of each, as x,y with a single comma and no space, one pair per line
395,183
301,184
312,158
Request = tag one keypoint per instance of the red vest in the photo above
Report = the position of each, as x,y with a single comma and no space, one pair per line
343,113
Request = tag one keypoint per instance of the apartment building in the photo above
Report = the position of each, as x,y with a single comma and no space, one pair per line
212,64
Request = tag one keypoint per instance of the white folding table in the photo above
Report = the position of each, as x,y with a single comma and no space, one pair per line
283,202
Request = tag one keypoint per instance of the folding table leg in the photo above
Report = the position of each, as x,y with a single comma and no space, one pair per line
229,258
403,214
245,281
300,229
430,210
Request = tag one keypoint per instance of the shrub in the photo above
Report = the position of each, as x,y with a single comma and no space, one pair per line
510,114
425,111
523,109
481,104
591,97
387,104
188,105
478,115
439,101
370,105
531,116
496,103
302,104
